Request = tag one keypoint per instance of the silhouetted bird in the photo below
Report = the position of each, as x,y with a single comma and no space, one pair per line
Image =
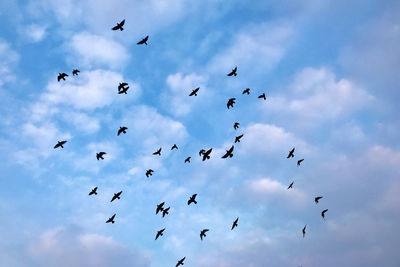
144,40
158,152
323,213
304,230
237,138
235,223
262,96
233,72
123,91
94,191
299,161
160,233
60,144
160,207
194,92
122,86
192,199
228,153
75,72
203,233
119,26
291,185
317,199
61,76
187,159
206,155
100,155
111,220
180,262
122,130
246,91
116,196
230,103
174,147
291,155
165,211
236,125
149,172
201,152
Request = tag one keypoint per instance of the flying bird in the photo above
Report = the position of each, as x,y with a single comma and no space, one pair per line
233,72
194,92
174,147
158,152
323,213
262,96
203,233
291,155
159,233
122,86
192,199
160,207
291,185
119,26
165,211
235,223
60,144
317,199
123,91
228,153
246,91
75,72
299,161
201,152
61,76
111,220
236,125
187,160
94,191
116,196
122,130
206,155
237,138
230,103
304,230
100,155
149,172
144,40
180,262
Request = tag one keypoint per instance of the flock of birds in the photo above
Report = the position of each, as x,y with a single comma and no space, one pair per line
205,154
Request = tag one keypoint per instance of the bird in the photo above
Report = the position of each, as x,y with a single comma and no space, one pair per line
111,219
304,230
291,155
149,172
192,199
180,262
75,72
119,26
194,92
122,130
93,191
122,86
206,155
158,152
323,213
100,155
159,233
116,196
316,199
165,211
203,233
262,96
228,153
60,144
246,91
230,103
144,40
236,125
61,76
299,161
235,223
187,160
160,207
174,147
201,152
233,72
237,138
123,91
291,185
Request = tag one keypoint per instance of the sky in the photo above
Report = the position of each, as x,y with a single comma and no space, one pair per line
329,70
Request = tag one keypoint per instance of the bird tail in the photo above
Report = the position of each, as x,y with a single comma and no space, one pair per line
112,222
121,29
95,193
195,202
230,155
62,146
234,74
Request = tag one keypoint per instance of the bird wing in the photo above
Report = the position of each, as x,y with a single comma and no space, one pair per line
122,23
115,28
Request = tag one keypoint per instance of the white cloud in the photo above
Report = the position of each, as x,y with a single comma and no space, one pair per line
35,32
8,59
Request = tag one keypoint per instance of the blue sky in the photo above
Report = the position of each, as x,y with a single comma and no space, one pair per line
330,73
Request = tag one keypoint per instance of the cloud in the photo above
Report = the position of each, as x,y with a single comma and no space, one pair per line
8,59
35,33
